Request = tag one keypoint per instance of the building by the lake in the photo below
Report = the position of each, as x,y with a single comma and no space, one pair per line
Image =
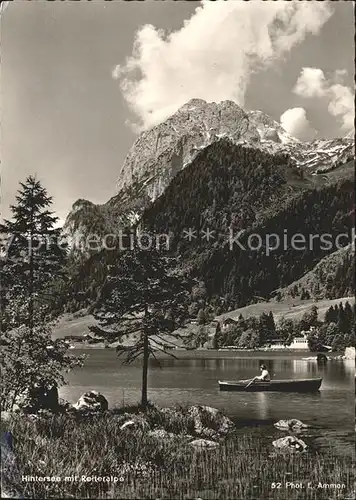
300,343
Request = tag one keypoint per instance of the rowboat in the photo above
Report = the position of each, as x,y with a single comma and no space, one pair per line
297,385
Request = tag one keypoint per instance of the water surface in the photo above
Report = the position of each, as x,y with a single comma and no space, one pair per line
192,379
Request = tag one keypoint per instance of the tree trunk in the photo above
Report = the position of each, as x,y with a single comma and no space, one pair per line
144,371
31,276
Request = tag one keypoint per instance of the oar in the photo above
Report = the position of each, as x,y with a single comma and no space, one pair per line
251,382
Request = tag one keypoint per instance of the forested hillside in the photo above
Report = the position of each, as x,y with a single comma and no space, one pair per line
333,276
230,188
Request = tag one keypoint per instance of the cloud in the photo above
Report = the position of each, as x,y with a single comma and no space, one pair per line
339,75
213,55
342,105
295,122
116,72
313,83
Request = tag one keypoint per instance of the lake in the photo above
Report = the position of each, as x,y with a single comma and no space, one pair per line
192,379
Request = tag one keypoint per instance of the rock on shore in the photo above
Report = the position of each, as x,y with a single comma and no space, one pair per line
204,444
91,401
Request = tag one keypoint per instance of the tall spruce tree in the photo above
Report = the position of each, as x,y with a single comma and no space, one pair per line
217,336
330,315
141,296
267,327
33,254
343,320
31,257
348,315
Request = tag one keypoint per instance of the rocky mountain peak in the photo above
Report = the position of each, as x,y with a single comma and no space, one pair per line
269,129
350,135
159,153
192,104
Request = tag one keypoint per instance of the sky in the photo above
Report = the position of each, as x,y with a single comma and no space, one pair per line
80,80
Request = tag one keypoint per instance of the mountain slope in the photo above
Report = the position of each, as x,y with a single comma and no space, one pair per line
333,276
287,309
216,167
229,188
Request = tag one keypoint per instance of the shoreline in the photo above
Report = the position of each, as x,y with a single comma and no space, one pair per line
162,452
336,355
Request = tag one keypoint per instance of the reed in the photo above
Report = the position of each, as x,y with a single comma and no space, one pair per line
242,467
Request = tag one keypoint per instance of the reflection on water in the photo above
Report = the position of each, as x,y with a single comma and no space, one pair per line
299,367
192,379
266,404
339,371
263,406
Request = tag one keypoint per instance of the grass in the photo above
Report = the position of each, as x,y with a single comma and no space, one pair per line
67,324
242,467
287,308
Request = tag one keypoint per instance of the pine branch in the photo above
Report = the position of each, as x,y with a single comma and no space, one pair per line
166,340
158,362
166,352
131,358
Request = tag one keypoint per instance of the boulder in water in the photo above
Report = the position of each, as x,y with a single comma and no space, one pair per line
290,425
290,444
349,353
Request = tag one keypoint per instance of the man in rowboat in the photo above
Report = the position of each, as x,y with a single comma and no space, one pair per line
265,376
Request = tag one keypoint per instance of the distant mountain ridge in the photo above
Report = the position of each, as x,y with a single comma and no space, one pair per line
218,167
160,153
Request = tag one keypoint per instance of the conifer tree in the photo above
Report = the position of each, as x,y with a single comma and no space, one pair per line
342,320
135,299
217,336
329,315
31,257
349,316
